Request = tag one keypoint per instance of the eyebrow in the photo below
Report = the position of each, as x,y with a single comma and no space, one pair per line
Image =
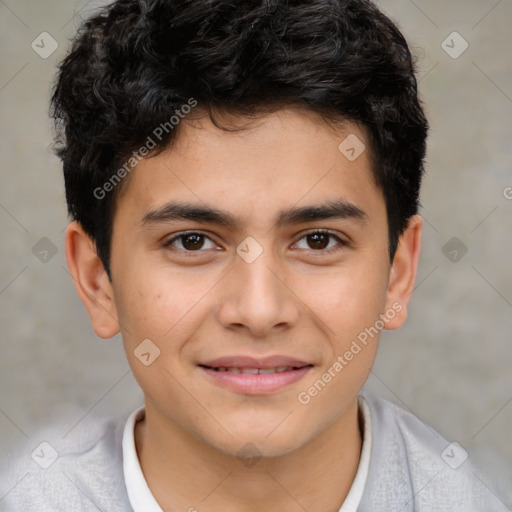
172,211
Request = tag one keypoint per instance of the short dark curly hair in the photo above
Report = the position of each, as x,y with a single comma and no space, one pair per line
135,63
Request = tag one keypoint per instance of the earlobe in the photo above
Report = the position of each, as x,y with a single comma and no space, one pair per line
91,281
403,273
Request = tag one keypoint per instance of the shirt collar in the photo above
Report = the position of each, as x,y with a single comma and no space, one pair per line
355,494
139,494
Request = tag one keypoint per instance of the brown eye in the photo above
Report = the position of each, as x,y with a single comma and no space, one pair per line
318,240
191,242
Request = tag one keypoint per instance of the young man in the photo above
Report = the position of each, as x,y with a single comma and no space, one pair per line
243,179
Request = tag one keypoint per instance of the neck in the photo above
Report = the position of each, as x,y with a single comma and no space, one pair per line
184,473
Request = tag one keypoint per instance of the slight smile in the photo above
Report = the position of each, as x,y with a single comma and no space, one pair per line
255,376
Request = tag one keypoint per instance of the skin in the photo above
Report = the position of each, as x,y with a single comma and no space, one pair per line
295,299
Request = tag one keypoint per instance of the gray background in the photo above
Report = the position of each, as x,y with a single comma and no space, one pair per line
450,364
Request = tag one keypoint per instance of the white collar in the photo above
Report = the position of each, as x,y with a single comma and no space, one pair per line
142,500
355,494
139,494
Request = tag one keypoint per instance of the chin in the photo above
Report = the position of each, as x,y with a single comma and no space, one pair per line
246,443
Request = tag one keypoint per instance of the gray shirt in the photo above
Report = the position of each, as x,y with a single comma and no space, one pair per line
412,468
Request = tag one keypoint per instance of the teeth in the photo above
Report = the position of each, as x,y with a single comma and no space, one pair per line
249,371
255,371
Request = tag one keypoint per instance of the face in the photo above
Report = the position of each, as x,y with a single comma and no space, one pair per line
254,261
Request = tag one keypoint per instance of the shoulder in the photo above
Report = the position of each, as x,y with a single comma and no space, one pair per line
81,471
414,468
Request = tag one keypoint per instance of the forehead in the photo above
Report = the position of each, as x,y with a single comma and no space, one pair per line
253,167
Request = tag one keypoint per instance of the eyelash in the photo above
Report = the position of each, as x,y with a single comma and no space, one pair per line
319,252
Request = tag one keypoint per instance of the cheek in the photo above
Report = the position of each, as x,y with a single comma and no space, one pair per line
161,304
143,311
349,304
145,306
157,310
349,299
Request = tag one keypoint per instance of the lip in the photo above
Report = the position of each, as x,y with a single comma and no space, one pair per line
256,384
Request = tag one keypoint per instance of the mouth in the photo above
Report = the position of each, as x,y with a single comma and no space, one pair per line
255,376
254,371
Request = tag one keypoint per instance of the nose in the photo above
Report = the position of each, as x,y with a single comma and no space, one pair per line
257,299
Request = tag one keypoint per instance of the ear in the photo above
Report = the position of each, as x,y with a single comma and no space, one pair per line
403,273
91,281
